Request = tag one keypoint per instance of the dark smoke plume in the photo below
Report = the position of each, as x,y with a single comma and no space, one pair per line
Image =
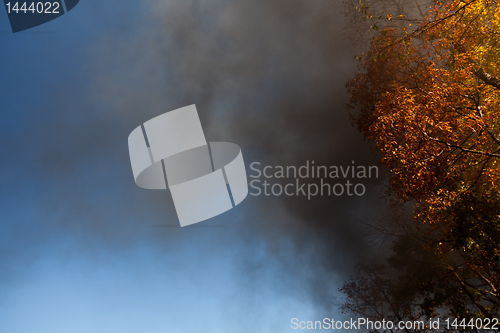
268,75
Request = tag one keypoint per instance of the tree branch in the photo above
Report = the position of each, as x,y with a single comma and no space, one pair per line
487,78
488,129
471,297
472,151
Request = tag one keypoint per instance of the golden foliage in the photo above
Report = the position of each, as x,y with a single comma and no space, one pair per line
430,101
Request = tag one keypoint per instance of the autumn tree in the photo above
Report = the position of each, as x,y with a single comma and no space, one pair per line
428,95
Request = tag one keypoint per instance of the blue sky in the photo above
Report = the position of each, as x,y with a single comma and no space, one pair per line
82,249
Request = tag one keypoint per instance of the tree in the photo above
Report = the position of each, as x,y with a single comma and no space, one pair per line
422,279
428,100
428,95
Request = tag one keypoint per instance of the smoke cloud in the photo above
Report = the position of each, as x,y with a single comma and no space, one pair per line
266,75
269,76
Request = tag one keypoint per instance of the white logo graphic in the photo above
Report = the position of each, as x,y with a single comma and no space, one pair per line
205,179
